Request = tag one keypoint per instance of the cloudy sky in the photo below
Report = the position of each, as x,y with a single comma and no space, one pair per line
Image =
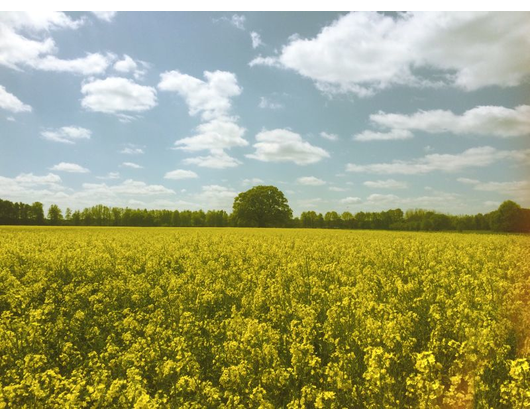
341,111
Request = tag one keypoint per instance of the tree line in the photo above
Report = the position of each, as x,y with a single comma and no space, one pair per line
267,207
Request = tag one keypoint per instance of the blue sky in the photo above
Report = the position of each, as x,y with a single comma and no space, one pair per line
341,111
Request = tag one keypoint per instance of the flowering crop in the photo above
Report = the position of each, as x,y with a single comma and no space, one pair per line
241,318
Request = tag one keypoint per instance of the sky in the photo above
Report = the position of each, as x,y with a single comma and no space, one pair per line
341,111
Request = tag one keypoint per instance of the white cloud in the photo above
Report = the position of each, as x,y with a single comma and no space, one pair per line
132,149
310,180
25,42
215,134
265,61
10,119
36,21
337,189
471,158
68,135
218,159
351,200
89,65
252,181
329,136
115,95
128,65
468,181
394,134
238,21
265,103
364,52
519,190
256,40
216,197
180,174
110,175
69,167
106,16
11,103
32,180
210,98
131,165
482,120
437,200
29,188
382,198
310,203
48,189
388,184
283,145
130,187
492,204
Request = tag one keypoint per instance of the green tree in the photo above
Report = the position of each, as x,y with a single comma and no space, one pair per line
261,206
37,213
55,215
508,217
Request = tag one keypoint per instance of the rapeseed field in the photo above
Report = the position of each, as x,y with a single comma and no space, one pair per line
262,318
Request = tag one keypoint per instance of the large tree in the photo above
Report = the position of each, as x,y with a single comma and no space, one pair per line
508,217
261,206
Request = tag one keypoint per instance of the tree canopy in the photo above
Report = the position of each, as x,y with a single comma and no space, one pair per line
261,206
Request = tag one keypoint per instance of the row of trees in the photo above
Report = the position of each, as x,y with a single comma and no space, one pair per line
266,206
510,217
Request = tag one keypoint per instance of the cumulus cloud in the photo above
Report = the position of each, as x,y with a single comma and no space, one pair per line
106,16
128,65
216,197
215,134
67,135
482,120
131,165
48,189
468,181
365,52
337,189
329,136
252,181
116,95
283,145
471,158
310,180
351,200
217,159
237,21
11,103
31,180
180,174
210,98
256,40
519,190
91,64
394,134
129,187
265,103
110,175
388,184
25,41
69,167
132,149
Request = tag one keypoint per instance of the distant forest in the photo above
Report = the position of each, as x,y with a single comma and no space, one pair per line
509,217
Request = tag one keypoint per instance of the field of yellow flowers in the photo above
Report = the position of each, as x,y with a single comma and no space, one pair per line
206,317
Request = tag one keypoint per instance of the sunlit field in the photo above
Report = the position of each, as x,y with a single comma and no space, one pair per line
176,317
